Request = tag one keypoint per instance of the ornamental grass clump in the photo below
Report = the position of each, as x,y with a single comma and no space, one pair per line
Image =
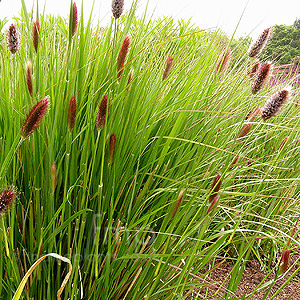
117,8
261,76
168,67
72,113
122,57
275,103
101,115
13,39
6,199
36,27
35,116
256,47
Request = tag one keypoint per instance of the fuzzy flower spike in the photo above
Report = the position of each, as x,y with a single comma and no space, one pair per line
260,43
6,199
122,56
36,27
35,117
275,103
261,77
12,39
117,7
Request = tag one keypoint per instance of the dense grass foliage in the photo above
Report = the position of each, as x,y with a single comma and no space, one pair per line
127,202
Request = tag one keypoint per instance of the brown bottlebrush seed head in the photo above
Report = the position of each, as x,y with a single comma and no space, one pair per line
35,116
223,61
254,69
168,67
72,114
178,202
36,27
261,77
112,147
29,76
6,199
244,131
117,7
215,187
122,57
260,43
12,39
213,204
101,115
275,103
74,20
284,261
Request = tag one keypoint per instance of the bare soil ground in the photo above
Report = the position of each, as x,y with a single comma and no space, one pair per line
252,277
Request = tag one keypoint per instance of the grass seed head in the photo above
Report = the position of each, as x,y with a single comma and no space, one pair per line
168,67
223,61
284,261
29,77
12,39
72,114
74,21
254,69
122,57
244,131
53,176
112,147
260,43
215,187
101,115
275,103
213,204
36,27
6,199
261,77
178,202
117,7
35,116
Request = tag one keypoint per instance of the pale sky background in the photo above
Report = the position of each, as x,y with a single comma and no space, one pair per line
224,14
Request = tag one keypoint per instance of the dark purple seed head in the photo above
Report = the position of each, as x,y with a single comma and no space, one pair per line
36,27
12,39
284,261
6,199
168,67
117,7
35,117
74,21
223,61
261,77
101,115
215,187
260,43
72,114
29,77
122,57
112,147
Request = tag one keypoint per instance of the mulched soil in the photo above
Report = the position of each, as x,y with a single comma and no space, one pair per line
252,276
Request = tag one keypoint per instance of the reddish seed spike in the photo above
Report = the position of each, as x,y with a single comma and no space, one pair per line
6,199
122,57
282,143
112,147
223,61
215,187
72,114
36,34
29,77
12,39
260,43
35,117
245,129
261,77
117,8
213,204
252,115
254,68
168,67
101,115
284,261
74,23
178,202
275,103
